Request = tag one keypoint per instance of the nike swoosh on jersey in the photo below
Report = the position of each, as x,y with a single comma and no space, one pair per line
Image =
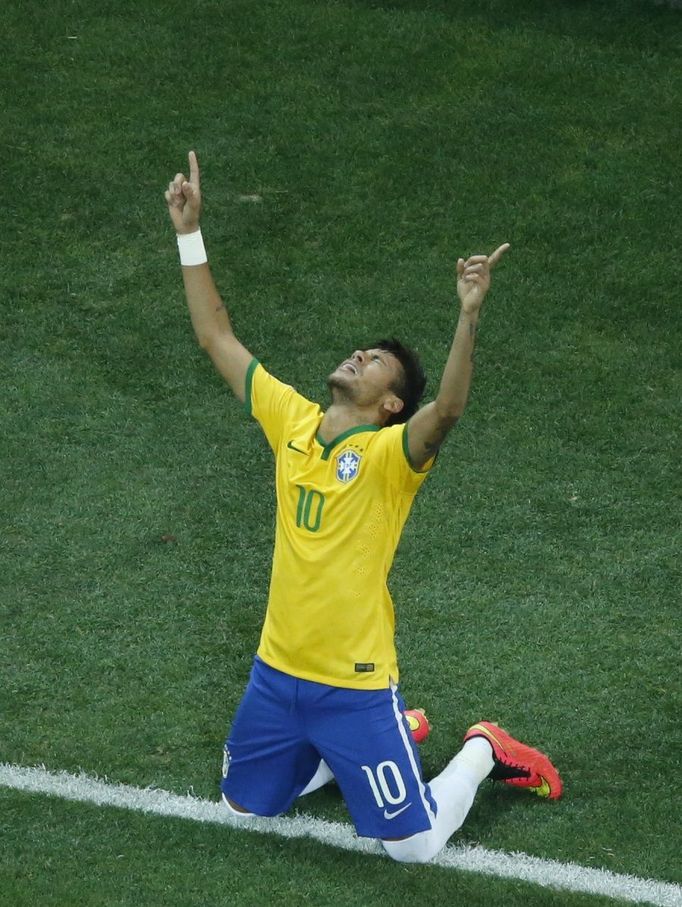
297,449
396,812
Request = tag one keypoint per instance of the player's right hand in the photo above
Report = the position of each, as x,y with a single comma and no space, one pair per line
183,197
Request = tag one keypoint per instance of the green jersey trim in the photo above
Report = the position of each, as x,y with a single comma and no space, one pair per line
342,437
406,451
248,381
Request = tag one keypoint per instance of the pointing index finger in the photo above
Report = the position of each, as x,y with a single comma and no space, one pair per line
193,169
497,254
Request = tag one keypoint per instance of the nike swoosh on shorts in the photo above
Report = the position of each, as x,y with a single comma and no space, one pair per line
396,812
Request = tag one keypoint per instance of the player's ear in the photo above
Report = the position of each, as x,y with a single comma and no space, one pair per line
393,405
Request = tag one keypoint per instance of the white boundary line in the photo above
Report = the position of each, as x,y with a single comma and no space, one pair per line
520,866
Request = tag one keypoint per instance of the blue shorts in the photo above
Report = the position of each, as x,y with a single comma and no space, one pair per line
284,726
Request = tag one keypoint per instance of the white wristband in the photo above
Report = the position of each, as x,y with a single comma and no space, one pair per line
191,249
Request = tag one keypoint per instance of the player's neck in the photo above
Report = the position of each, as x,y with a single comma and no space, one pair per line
341,417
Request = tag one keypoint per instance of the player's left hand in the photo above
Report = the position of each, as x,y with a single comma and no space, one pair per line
183,198
473,278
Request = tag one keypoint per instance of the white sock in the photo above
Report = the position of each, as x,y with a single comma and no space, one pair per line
237,813
454,791
322,776
477,755
455,788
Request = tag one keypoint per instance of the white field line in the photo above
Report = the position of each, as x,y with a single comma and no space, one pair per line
520,866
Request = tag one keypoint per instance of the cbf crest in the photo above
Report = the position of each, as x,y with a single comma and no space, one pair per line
347,465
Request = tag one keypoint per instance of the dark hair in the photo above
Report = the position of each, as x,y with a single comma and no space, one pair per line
410,386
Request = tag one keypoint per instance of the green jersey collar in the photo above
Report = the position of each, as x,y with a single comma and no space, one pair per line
342,437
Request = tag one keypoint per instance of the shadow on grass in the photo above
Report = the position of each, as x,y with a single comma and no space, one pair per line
573,18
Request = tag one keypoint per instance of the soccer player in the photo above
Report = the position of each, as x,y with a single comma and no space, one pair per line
322,700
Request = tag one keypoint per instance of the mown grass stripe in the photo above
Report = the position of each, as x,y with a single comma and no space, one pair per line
520,866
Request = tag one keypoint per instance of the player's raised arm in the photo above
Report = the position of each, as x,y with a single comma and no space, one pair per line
210,320
428,427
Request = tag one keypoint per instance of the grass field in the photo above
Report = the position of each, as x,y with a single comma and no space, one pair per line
351,151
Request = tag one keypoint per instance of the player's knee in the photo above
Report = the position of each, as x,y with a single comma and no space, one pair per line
237,813
419,848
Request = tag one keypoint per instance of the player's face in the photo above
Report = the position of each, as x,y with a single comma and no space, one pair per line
367,376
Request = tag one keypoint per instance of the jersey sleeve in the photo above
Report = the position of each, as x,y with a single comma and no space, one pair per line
390,454
273,404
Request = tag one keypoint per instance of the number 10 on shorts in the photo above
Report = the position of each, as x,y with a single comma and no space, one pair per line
387,783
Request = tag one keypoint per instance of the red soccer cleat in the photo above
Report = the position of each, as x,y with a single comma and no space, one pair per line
518,764
420,726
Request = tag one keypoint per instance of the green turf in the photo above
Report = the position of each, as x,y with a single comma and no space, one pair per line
350,152
137,860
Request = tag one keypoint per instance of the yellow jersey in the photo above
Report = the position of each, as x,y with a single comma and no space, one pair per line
341,507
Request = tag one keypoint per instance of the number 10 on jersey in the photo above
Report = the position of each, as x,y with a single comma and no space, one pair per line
309,508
